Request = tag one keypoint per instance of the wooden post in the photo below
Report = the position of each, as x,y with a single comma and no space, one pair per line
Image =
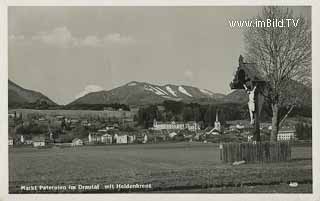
257,115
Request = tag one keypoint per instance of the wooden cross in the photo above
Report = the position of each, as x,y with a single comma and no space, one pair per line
248,74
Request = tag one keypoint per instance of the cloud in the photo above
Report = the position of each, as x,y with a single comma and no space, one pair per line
118,38
89,89
16,37
62,37
91,41
189,75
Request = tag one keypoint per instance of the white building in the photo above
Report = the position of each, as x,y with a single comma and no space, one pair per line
171,135
145,139
22,139
11,115
106,138
192,125
10,141
28,141
94,138
121,139
286,134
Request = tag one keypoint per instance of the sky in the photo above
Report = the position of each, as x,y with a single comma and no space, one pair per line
66,52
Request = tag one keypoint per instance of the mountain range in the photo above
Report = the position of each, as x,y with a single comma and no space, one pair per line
141,93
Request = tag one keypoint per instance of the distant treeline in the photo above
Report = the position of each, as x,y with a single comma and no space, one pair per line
114,106
179,111
304,131
45,106
206,114
176,111
38,105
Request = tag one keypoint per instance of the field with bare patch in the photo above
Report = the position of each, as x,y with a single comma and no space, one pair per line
172,167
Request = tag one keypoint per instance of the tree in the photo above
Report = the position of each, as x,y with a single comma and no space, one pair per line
209,116
283,55
187,114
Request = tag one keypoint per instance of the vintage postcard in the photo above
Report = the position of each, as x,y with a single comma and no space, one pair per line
160,99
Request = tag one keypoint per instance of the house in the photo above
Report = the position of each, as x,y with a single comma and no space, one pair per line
265,125
286,134
14,115
38,141
213,131
59,117
106,138
145,139
22,140
74,123
110,127
238,124
142,138
171,135
85,123
121,139
28,141
94,137
11,115
10,141
43,121
77,142
191,125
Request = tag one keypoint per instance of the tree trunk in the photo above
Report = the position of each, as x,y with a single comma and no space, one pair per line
275,123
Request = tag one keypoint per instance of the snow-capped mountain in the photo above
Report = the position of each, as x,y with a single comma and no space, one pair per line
141,93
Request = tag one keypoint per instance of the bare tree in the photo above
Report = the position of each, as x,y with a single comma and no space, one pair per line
283,55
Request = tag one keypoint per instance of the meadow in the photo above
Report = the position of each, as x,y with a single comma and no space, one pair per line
172,167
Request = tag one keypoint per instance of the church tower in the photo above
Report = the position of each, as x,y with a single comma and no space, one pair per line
217,125
155,123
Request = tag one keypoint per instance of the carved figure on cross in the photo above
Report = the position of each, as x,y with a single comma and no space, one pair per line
251,102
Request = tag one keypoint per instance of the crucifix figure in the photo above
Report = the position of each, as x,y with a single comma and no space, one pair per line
249,77
251,102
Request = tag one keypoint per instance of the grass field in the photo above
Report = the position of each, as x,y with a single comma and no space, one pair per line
173,167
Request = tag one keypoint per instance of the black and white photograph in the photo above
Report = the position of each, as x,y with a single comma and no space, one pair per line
160,99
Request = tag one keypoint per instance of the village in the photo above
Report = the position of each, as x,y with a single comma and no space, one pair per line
163,99
120,128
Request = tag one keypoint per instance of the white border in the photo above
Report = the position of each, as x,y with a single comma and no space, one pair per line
163,197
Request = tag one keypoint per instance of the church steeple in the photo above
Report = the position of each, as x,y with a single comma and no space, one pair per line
217,125
217,116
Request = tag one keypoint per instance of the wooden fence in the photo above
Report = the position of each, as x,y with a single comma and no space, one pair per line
259,152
